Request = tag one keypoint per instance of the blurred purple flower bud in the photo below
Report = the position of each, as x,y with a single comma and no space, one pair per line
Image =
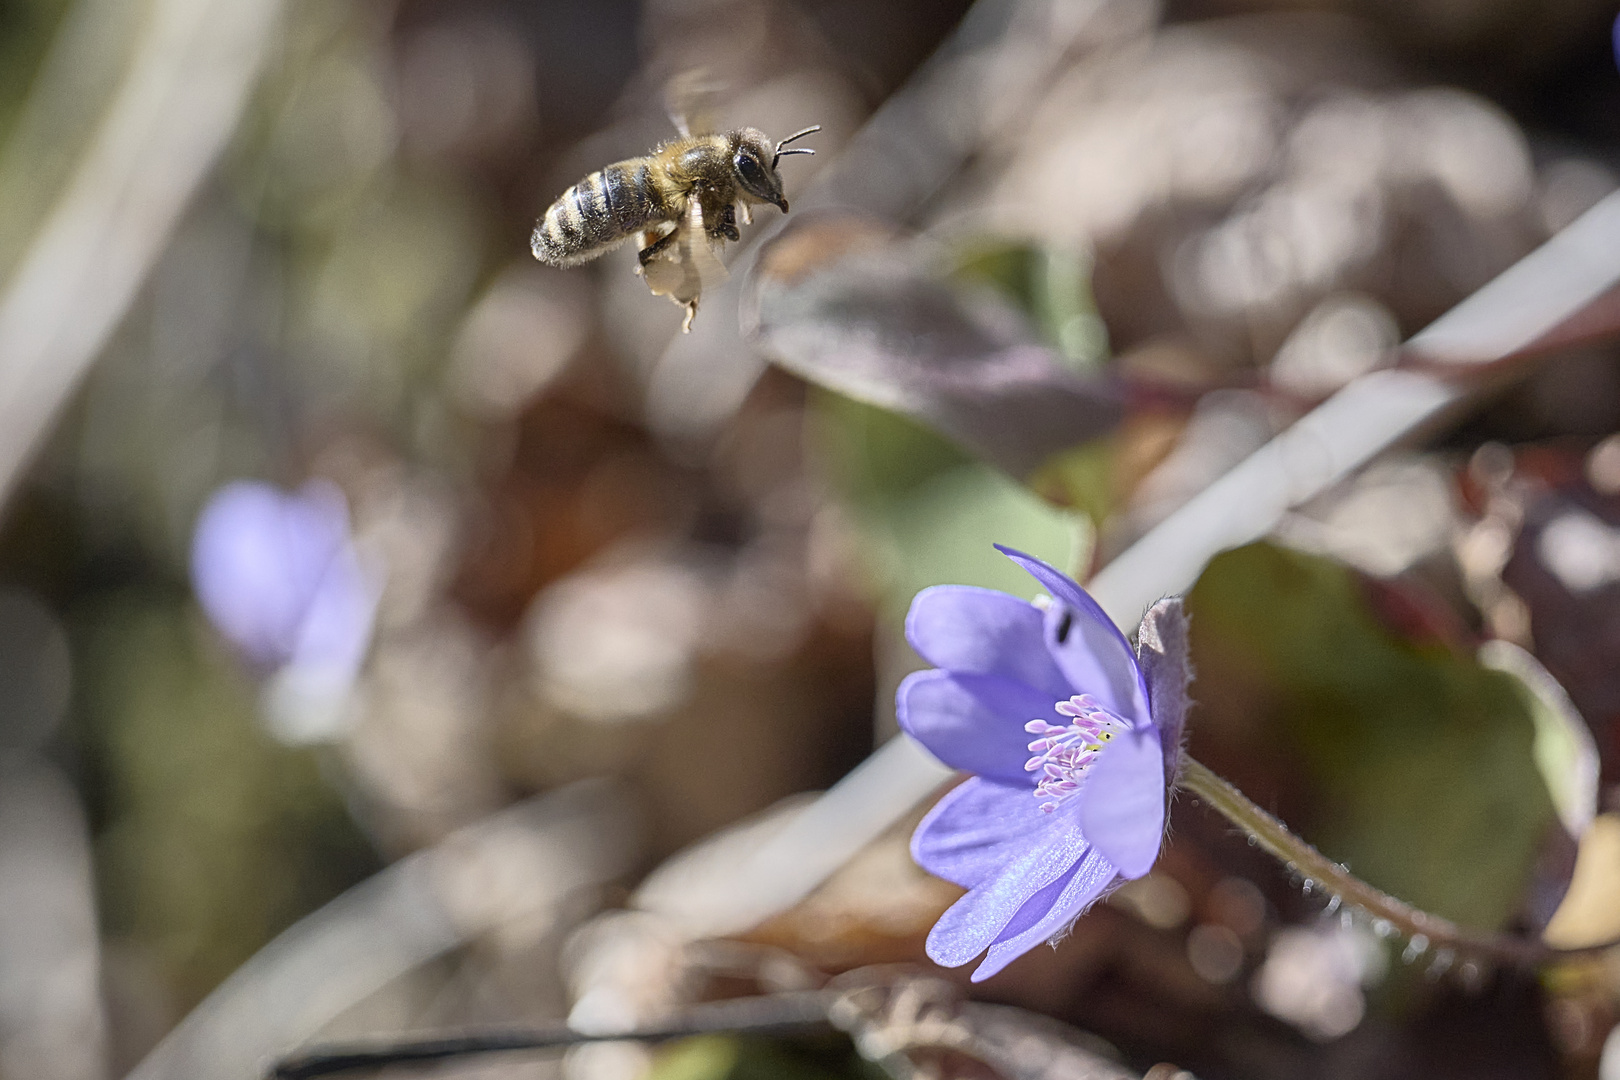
1071,751
279,577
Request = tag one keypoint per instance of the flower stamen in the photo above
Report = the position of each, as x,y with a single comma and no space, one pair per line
1063,753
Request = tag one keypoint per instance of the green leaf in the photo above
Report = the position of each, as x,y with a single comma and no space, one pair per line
1565,752
928,514
1409,763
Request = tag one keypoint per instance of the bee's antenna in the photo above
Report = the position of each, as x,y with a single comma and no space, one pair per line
781,153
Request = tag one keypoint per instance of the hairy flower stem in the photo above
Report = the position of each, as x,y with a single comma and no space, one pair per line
1302,858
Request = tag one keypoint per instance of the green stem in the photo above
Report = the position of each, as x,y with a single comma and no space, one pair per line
1414,923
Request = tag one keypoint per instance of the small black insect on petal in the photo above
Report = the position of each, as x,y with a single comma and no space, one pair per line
1064,626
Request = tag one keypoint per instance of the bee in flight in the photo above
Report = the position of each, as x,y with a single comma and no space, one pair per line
681,202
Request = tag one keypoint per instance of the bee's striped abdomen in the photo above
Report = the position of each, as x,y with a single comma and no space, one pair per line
597,213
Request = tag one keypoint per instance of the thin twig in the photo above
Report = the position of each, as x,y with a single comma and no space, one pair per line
1413,923
1533,305
773,1014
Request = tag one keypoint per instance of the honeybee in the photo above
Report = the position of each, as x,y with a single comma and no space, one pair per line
681,202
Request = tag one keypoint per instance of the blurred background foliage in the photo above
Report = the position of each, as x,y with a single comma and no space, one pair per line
1064,287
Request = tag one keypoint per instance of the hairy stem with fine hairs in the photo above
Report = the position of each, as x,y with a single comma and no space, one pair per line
1414,923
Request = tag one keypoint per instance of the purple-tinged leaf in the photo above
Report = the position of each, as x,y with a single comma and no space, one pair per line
875,322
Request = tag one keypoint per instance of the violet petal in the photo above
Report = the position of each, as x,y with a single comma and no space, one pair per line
979,827
1093,655
972,722
1049,911
258,559
1122,802
337,626
984,632
974,921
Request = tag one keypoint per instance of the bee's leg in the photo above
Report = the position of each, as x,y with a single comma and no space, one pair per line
691,313
747,214
728,225
652,250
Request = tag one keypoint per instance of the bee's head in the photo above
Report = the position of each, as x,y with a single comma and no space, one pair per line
754,158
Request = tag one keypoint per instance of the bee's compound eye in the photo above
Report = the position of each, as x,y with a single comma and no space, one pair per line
750,169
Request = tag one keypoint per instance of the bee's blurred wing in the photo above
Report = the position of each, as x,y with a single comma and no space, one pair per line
691,99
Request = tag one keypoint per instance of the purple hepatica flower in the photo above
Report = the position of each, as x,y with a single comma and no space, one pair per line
1072,756
279,576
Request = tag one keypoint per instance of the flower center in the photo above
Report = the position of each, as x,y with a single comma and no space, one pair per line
1063,753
